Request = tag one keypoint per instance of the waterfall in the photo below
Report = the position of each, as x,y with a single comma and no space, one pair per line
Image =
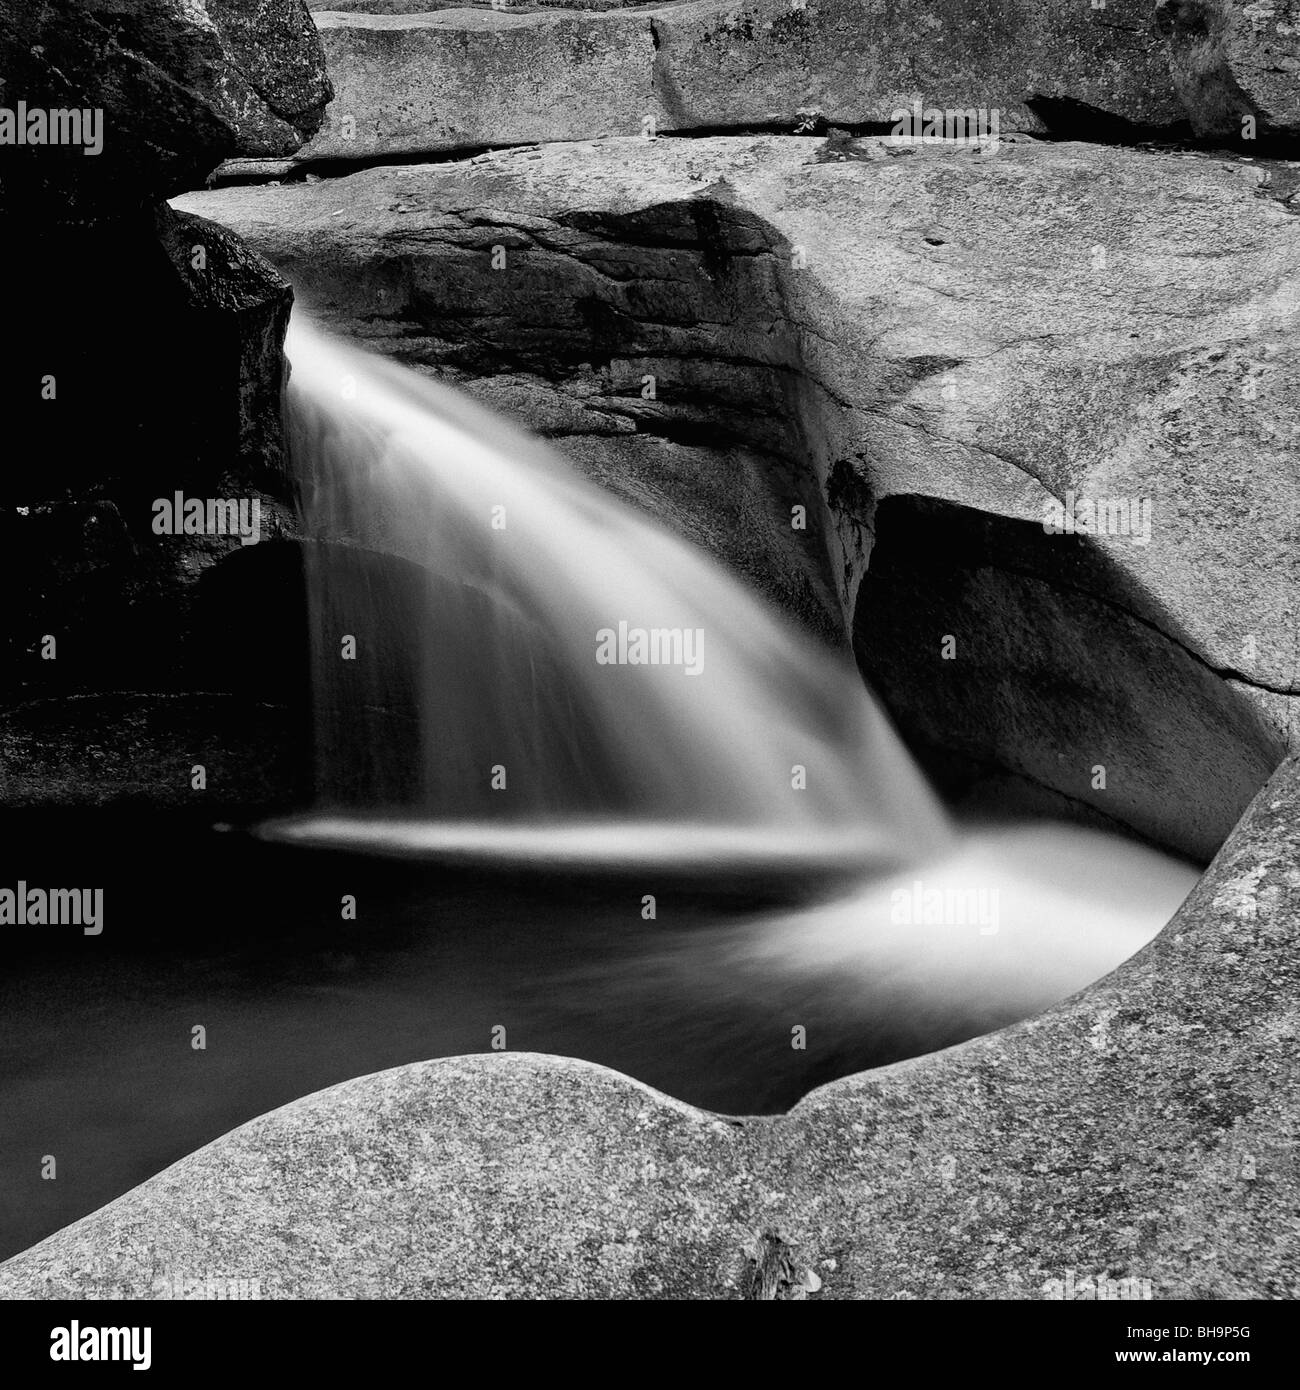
488,691
508,661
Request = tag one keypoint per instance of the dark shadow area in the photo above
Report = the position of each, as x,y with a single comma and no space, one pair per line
1026,672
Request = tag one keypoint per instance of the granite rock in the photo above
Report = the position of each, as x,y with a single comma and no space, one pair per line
1144,1130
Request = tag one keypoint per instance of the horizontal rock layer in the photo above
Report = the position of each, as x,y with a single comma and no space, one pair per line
1145,1130
455,79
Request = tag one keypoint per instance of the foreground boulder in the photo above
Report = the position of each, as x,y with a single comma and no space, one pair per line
1136,1141
829,323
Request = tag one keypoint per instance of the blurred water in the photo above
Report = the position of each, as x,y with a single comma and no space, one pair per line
514,578
489,642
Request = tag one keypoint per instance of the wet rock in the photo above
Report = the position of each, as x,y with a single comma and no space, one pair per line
193,407
1139,1139
124,750
1006,650
143,359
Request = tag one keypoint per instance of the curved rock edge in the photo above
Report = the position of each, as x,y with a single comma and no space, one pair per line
1143,1130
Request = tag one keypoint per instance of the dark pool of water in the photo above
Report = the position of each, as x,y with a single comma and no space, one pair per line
247,940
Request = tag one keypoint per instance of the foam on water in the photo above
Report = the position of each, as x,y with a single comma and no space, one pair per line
1010,920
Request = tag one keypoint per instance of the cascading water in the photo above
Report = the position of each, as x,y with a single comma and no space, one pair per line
511,666
579,682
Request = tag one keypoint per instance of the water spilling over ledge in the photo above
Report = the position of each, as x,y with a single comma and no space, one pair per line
550,732
560,657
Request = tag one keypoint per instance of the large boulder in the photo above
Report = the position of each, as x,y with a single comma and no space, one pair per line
1136,1141
179,86
830,323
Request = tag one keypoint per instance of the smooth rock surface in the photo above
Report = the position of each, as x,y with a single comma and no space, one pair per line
458,79
1145,1129
828,323
998,330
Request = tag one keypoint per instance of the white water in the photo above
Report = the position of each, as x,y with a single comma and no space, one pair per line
493,644
488,640
1011,920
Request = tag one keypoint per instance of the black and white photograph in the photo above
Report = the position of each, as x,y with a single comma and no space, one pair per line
650,653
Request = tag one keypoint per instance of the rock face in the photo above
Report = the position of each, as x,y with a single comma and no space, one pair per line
1025,656
829,323
1040,66
1236,64
447,79
428,6
457,79
143,359
1153,1140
